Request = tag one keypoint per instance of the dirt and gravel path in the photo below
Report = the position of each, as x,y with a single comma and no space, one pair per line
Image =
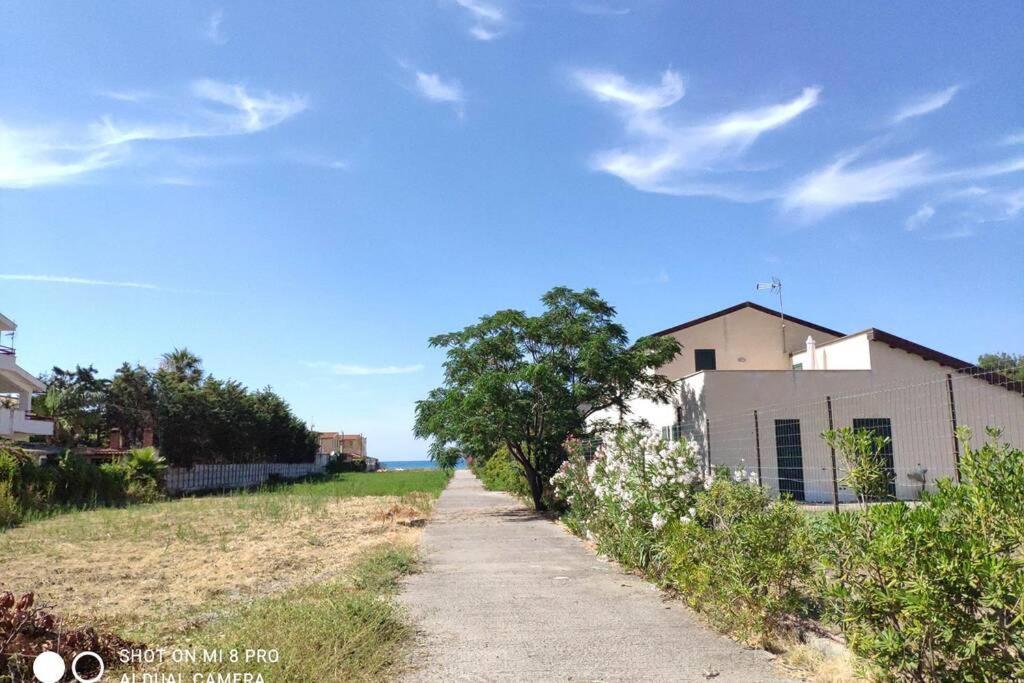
506,595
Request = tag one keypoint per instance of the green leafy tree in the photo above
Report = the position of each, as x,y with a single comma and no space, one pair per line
182,420
529,382
131,402
1009,364
76,400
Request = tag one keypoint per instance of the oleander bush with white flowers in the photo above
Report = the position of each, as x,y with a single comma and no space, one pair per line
713,535
632,486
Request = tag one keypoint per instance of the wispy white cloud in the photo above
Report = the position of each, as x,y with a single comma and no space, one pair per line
437,88
364,370
920,217
676,159
840,184
317,160
92,282
31,157
488,20
607,86
1014,139
968,209
42,156
598,9
957,233
213,29
843,184
65,280
177,181
926,104
132,96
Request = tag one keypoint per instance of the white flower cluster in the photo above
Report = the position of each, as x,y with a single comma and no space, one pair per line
636,479
740,475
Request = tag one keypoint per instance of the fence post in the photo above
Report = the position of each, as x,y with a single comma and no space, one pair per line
707,440
952,418
835,481
757,447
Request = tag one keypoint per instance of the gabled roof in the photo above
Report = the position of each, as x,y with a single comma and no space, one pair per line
963,367
925,352
6,324
741,306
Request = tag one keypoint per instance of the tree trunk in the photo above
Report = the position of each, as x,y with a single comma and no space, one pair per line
536,489
533,478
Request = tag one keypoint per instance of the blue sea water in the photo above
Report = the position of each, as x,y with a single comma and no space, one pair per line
415,464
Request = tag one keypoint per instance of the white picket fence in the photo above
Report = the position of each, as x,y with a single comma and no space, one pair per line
178,480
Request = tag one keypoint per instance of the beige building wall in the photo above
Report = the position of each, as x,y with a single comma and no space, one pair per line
913,393
747,339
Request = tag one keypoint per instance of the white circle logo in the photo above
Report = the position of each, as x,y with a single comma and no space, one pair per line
48,667
74,667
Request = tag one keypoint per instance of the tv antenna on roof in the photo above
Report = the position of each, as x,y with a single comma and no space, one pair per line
776,288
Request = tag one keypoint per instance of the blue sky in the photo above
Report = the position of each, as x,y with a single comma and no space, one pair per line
302,194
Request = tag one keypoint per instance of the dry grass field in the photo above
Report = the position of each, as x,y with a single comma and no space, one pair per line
156,572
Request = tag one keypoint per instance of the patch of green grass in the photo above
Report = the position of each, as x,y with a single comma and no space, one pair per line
344,630
350,484
275,502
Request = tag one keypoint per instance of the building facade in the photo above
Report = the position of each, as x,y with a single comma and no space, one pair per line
16,389
756,391
351,445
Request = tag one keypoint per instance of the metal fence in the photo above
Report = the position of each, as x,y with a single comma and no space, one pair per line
782,442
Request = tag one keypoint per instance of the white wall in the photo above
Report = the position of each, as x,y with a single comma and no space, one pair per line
849,353
910,391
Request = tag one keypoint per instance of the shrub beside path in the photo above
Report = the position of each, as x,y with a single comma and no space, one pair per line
507,595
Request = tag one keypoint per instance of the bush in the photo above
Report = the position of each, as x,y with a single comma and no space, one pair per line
634,485
339,465
500,472
10,510
744,559
75,482
933,592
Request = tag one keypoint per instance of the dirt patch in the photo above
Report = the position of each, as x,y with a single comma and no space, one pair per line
149,570
403,514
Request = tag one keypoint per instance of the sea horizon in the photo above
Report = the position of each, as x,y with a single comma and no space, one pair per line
416,464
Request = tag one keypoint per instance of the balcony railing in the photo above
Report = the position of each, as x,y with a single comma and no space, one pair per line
6,350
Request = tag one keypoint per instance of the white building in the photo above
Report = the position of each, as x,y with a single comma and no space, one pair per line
757,393
16,389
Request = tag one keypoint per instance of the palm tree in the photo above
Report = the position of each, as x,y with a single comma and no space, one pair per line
184,365
56,404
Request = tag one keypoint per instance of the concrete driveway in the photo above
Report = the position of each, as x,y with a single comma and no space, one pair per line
506,595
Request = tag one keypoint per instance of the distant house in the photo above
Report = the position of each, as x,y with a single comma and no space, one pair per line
16,389
351,445
758,390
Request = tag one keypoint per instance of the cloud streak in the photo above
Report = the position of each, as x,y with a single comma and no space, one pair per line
925,105
684,160
844,183
437,88
488,20
32,157
346,369
212,28
65,280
